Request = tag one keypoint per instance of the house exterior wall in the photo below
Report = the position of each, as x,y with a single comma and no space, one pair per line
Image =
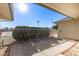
69,29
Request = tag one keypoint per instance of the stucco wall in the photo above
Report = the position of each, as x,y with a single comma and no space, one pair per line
69,29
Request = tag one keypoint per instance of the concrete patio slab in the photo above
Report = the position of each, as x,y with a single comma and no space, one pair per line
74,51
60,55
57,49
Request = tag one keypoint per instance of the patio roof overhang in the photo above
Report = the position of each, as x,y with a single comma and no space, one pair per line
67,9
6,12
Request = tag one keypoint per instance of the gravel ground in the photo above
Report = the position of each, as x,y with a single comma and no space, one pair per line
33,46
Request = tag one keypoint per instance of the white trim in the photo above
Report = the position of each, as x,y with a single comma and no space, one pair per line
64,19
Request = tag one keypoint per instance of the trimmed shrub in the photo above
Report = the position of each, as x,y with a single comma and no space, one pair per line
21,33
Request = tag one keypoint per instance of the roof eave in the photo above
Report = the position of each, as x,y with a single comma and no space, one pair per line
11,11
62,20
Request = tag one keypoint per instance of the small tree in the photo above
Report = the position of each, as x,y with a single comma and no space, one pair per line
55,27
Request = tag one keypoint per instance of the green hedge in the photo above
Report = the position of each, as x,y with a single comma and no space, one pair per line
21,33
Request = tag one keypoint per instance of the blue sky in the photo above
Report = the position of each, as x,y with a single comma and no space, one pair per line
31,15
